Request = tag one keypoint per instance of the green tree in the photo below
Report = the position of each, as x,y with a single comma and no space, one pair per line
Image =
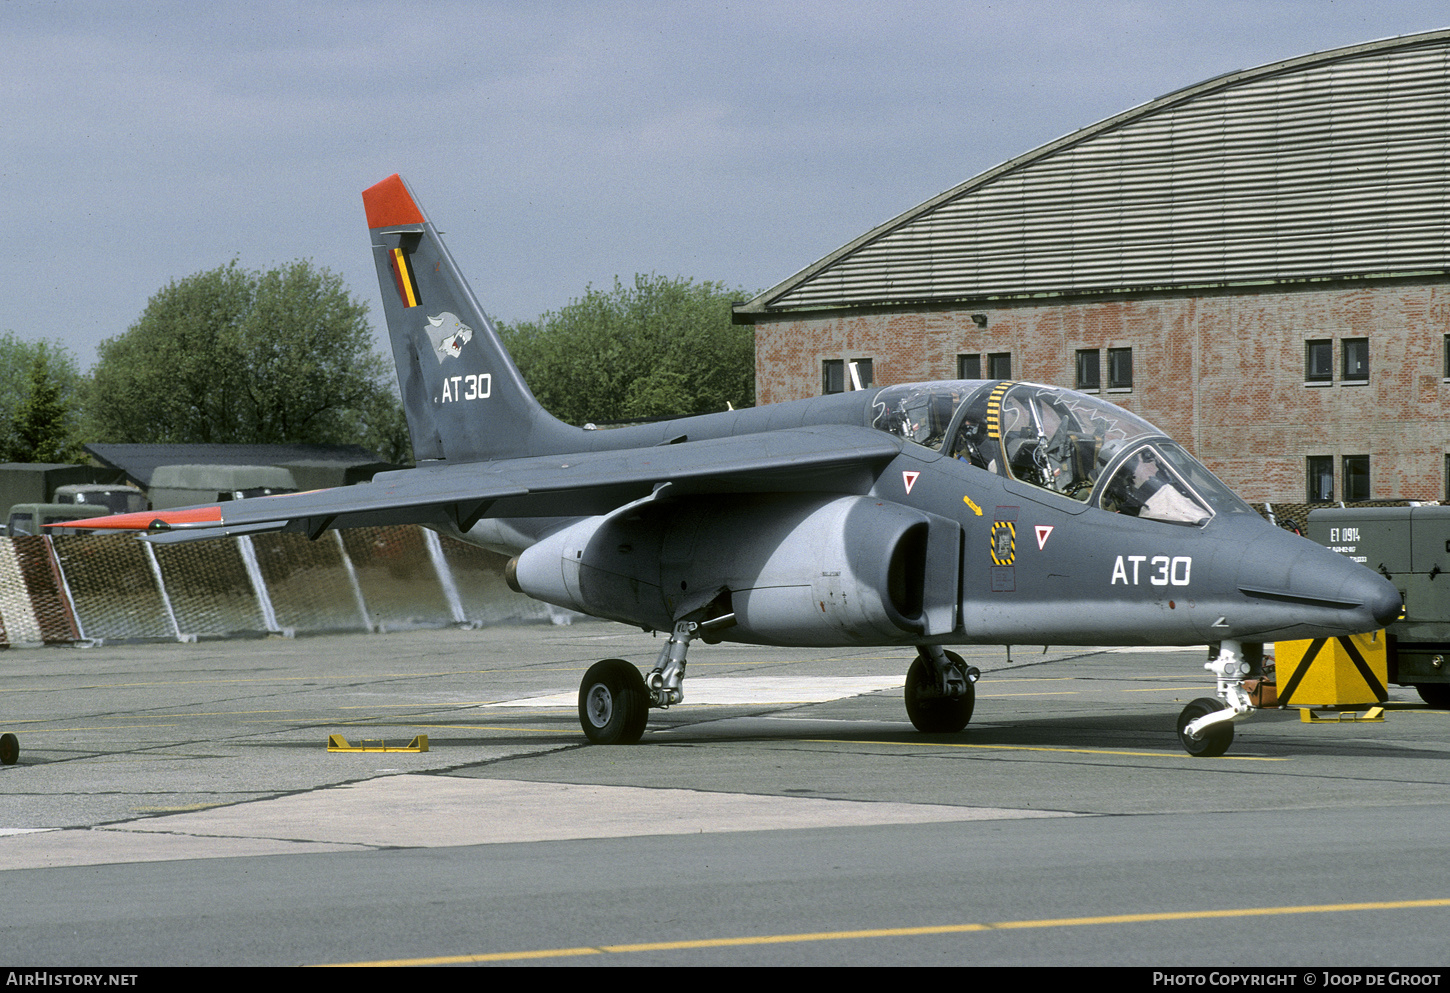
230,355
659,347
39,402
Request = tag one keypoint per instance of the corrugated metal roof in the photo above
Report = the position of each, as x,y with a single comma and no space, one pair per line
1327,165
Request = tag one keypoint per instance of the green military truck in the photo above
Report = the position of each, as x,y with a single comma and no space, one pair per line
1411,547
35,518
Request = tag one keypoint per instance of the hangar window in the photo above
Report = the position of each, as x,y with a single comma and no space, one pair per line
833,376
1356,477
1319,361
1120,368
836,375
1356,360
1446,371
1319,484
999,365
1089,375
969,367
863,377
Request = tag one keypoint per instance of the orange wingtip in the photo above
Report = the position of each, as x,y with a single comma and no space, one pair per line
389,204
147,520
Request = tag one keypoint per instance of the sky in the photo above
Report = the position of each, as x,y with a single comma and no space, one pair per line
557,145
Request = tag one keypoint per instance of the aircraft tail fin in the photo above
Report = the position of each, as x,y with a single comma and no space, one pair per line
464,398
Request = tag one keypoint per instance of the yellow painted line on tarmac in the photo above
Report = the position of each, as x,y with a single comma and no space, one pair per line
512,729
1045,748
906,932
225,681
113,727
418,706
419,724
998,696
1031,679
1187,678
214,713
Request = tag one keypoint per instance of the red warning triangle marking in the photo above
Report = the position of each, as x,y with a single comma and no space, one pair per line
1043,530
909,478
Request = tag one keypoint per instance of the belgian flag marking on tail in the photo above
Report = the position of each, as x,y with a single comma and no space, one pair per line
402,268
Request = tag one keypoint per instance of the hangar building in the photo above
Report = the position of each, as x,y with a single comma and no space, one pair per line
1258,264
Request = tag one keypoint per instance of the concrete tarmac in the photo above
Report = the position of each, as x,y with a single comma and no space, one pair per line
176,804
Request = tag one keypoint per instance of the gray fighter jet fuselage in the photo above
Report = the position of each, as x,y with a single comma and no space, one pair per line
920,515
927,543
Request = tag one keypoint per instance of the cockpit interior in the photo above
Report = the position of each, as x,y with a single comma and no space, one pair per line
1069,443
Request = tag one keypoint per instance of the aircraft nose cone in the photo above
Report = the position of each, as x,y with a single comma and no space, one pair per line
1382,600
1379,601
1308,591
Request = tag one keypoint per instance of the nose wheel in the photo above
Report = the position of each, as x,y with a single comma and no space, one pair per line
1211,742
1206,726
9,749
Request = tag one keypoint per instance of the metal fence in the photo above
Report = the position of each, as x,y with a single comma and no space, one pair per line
86,588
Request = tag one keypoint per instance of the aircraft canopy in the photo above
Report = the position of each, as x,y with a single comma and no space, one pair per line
1070,443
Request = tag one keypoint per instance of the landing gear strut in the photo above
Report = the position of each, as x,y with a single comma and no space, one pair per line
940,691
1206,726
614,699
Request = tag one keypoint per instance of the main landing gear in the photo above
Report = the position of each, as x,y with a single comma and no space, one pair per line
614,699
941,691
613,703
9,749
1206,726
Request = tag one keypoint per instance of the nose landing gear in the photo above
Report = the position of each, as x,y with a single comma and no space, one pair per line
1206,726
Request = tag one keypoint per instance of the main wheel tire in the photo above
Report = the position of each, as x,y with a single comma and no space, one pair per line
1435,694
613,703
928,709
1215,740
9,749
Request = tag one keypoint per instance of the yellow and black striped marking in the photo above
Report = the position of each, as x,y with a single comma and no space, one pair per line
1373,682
1004,542
994,410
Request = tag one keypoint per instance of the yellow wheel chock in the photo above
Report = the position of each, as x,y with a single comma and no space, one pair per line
337,743
1328,715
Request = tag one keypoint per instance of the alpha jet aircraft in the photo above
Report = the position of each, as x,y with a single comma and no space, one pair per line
919,516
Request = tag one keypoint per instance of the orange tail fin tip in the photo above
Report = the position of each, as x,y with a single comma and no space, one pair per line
389,204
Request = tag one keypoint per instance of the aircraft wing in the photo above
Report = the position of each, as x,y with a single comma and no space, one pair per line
824,458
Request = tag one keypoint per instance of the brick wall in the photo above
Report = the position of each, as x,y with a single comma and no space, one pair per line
1223,373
